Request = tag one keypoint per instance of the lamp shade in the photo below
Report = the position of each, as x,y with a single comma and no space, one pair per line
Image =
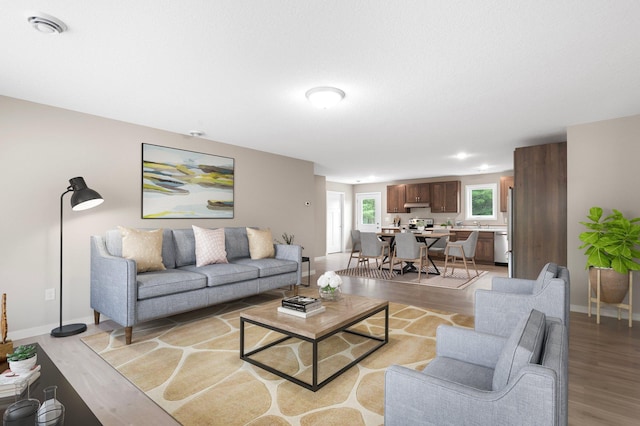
83,198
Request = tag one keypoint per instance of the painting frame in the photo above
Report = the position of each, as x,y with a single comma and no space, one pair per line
183,184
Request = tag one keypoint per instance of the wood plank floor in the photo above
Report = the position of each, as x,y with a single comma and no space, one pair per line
604,360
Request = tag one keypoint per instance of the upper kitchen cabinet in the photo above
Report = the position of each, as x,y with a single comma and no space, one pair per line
418,193
445,197
506,182
396,199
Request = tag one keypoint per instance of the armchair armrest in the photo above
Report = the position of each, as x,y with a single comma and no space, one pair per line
114,289
290,252
468,345
412,397
512,285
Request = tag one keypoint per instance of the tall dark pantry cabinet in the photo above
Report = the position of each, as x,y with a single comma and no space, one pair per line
539,208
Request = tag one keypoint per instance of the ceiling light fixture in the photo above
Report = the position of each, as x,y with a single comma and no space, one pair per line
324,97
46,23
196,133
461,155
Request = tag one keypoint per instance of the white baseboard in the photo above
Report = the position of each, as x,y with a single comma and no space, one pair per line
45,329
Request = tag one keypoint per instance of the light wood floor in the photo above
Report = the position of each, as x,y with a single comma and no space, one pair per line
604,360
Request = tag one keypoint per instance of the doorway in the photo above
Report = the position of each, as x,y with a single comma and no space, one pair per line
335,221
368,211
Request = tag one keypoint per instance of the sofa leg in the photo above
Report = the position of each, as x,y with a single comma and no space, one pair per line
96,317
128,333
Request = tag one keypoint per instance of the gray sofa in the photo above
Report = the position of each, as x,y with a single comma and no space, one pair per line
484,379
130,298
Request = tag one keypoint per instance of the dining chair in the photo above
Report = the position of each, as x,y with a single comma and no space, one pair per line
464,250
374,248
408,250
356,246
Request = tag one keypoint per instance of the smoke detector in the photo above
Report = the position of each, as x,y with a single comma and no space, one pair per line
46,23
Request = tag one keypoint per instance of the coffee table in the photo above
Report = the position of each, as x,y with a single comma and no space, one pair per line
76,411
339,317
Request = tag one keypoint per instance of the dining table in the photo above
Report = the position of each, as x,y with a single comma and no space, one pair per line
427,237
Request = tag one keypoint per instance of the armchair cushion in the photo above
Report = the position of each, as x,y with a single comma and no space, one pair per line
523,347
547,273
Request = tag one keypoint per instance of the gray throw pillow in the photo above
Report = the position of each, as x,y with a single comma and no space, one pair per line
523,347
548,272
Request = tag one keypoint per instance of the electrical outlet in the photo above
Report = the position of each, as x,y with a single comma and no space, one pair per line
50,294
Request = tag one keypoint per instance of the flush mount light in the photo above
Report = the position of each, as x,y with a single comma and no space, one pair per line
462,155
46,23
196,133
324,97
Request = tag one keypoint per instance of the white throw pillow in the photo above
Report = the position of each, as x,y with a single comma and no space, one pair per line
210,246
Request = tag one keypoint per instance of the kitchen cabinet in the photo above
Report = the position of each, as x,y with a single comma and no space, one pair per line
396,199
506,182
484,248
445,197
418,193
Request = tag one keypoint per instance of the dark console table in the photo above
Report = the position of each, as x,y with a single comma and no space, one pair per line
76,411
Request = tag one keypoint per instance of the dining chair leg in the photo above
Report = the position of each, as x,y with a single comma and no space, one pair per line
464,261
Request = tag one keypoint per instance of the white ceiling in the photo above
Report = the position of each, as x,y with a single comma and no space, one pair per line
424,79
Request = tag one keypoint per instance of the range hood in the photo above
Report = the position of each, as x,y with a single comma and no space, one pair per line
416,205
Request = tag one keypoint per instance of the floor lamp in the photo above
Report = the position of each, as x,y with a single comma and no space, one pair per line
83,198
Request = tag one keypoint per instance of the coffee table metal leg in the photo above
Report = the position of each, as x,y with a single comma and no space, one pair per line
315,366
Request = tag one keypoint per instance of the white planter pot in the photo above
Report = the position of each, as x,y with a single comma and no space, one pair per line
22,367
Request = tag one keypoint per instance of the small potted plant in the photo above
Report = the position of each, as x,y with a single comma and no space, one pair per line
611,245
22,359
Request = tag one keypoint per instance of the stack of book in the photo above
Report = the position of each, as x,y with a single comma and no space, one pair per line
14,384
301,306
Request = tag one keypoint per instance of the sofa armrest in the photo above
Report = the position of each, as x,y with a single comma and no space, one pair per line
512,285
114,289
468,345
413,397
290,252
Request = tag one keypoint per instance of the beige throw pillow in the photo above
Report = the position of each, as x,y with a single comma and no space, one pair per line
260,243
145,247
209,246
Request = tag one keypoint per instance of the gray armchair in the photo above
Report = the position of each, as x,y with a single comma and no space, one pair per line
498,310
483,379
374,248
408,250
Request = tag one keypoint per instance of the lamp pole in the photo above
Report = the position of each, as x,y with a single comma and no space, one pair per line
83,198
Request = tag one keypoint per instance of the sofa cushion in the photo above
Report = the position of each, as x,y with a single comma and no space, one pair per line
209,246
547,273
224,273
465,373
145,247
523,347
170,281
185,247
236,242
270,266
260,243
113,241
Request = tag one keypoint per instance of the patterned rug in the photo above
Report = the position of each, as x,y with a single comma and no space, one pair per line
189,365
458,280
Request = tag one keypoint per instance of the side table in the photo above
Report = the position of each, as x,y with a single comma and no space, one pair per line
306,259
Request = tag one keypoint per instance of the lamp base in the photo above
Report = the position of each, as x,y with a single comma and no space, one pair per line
68,330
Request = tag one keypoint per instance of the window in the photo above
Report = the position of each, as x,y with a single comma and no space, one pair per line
481,202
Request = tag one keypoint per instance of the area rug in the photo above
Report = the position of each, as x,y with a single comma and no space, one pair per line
458,280
189,365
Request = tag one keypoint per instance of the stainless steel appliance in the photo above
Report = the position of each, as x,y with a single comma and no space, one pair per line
510,216
416,222
501,248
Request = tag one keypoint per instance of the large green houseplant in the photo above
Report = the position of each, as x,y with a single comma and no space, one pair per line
612,245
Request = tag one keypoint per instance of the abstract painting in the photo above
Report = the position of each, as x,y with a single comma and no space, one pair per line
179,184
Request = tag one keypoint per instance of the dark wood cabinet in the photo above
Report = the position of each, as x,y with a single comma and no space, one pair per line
506,182
539,208
445,197
418,193
484,248
396,199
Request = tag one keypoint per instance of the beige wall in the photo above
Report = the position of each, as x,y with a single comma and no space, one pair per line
42,147
602,165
